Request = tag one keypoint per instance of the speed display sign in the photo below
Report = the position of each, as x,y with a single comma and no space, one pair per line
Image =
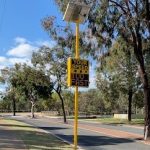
78,72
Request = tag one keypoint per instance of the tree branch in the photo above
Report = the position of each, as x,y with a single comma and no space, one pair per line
120,6
132,4
129,11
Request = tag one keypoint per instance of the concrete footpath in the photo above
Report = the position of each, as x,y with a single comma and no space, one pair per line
8,138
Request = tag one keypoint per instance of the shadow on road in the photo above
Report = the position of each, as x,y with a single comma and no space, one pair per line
85,140
52,128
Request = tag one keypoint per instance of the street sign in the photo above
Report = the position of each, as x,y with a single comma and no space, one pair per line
78,72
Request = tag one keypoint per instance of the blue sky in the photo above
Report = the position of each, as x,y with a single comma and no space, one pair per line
21,32
21,18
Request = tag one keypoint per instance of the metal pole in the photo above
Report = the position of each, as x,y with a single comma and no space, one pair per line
76,91
77,40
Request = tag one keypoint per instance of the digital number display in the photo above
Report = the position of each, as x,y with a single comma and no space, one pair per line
78,72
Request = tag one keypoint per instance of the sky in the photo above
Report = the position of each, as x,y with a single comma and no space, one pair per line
21,32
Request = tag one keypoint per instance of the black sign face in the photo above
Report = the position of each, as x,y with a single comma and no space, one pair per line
80,66
80,80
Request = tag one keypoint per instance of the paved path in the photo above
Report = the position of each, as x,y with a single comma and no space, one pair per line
93,136
8,139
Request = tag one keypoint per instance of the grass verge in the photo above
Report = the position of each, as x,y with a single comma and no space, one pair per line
117,121
34,138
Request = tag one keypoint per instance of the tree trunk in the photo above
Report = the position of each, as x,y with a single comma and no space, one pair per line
140,57
146,101
130,93
135,109
14,107
32,109
146,107
63,108
147,3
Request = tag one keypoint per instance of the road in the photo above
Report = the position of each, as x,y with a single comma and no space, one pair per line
93,136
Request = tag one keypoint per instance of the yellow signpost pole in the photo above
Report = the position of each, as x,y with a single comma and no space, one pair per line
76,91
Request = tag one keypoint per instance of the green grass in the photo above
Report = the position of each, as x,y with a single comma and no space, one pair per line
35,138
117,121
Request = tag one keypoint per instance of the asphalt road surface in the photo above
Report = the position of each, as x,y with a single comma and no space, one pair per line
94,136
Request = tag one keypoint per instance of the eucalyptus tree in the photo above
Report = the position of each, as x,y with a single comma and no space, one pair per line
31,83
122,68
53,62
130,20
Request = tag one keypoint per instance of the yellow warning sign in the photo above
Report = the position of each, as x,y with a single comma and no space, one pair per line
78,72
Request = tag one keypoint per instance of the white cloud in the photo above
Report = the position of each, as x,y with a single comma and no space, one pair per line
25,48
22,50
92,82
2,66
8,62
3,60
92,76
19,60
2,89
20,40
46,43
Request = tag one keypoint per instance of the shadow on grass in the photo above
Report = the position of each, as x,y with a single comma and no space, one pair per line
32,139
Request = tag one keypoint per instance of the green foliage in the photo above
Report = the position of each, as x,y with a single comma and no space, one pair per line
90,102
52,61
62,35
5,104
31,82
116,75
27,84
2,80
